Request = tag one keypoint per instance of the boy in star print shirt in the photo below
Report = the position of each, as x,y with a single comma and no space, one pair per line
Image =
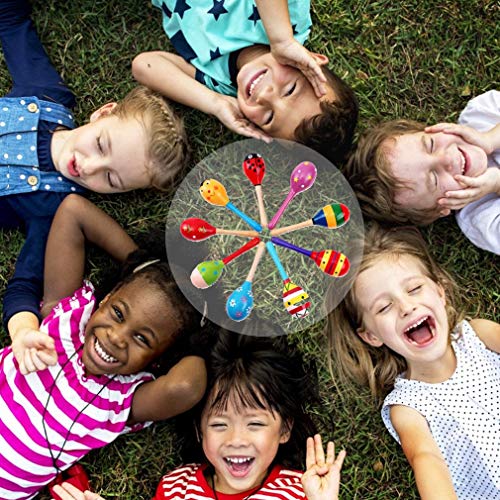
244,63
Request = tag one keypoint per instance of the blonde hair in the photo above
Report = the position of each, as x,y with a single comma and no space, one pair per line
350,358
369,173
167,149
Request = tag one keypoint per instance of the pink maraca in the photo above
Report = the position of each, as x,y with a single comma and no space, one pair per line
301,179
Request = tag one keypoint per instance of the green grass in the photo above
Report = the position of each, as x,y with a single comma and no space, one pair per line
418,59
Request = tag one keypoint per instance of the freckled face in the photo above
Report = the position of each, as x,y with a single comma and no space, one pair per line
132,327
276,97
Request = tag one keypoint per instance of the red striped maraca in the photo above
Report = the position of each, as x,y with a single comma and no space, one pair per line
254,168
195,229
301,179
215,193
331,216
329,261
206,273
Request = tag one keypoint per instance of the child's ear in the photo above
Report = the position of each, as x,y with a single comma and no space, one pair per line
286,431
369,337
321,59
444,212
103,111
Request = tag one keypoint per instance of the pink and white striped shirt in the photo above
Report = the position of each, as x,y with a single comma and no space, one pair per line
25,460
189,483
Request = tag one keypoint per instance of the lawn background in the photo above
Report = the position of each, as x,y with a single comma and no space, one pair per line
416,59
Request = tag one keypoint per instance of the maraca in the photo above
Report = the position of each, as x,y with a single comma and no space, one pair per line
331,216
206,273
195,229
294,297
329,261
301,179
215,193
239,304
254,168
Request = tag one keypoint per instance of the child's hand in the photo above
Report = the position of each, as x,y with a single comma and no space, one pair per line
68,492
228,112
474,189
482,139
321,480
292,53
34,350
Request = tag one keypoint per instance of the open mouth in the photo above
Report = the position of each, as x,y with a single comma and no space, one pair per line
465,162
73,167
252,84
239,466
421,332
103,354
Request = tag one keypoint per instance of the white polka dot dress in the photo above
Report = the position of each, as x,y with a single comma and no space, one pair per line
463,414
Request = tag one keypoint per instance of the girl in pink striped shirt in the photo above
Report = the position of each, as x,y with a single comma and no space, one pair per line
79,382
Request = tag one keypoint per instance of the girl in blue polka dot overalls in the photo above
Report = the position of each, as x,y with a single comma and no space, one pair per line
43,157
397,329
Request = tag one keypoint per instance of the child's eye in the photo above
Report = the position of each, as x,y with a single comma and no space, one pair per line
416,288
142,339
110,182
269,118
99,145
118,314
292,89
256,424
435,179
432,145
384,309
217,426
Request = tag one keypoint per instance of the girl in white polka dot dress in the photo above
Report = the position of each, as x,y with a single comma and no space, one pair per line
398,329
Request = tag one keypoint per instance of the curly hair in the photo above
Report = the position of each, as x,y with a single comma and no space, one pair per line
167,149
331,132
369,174
350,358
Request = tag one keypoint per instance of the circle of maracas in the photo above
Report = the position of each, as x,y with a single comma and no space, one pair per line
331,216
195,229
215,193
254,168
239,304
329,261
295,298
301,179
206,273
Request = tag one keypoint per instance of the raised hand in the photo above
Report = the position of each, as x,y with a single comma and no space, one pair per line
484,140
228,112
321,480
292,53
34,350
474,188
67,491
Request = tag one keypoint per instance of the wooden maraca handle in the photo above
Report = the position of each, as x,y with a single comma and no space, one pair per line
293,227
258,255
235,232
260,204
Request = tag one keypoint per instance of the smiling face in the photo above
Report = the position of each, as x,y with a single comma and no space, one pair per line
133,326
275,97
404,309
107,155
241,444
427,164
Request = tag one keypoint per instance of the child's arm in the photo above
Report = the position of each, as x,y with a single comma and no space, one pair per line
474,187
321,480
76,222
489,332
176,392
431,471
276,19
173,77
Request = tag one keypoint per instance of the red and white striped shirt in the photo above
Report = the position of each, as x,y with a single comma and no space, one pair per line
25,461
189,483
